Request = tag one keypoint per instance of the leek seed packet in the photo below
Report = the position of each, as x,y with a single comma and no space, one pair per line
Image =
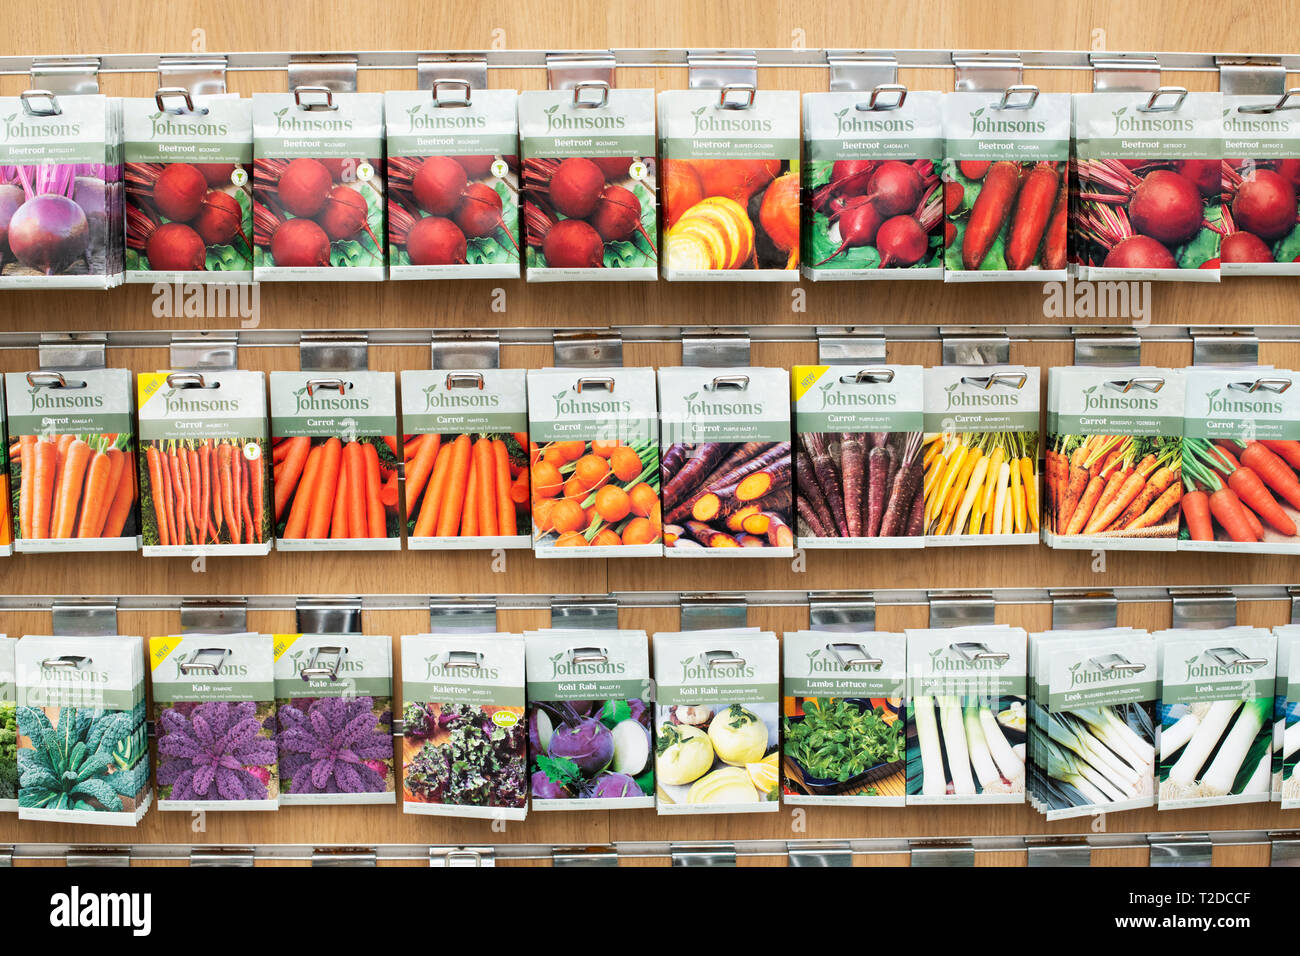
1216,713
1286,718
214,709
334,718
844,719
465,736
717,722
589,719
83,753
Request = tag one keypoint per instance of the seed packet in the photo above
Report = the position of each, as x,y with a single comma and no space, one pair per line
1147,185
1092,703
83,750
214,710
1114,458
866,166
727,471
844,719
336,486
1260,183
594,449
8,728
75,470
189,208
966,716
464,744
61,183
6,498
334,718
716,721
453,184
1011,166
1286,717
1240,459
203,452
319,161
589,719
858,464
731,184
980,454
1216,710
478,420
589,183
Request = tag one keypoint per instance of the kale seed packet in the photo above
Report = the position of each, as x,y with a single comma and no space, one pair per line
8,728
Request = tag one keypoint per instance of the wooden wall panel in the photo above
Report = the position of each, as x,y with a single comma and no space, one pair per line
137,26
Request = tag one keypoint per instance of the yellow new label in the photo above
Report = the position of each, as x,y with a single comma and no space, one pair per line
160,648
805,377
149,384
283,642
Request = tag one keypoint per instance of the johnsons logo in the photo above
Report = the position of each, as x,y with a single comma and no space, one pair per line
436,399
227,668
19,128
565,404
698,407
347,665
72,675
998,122
1080,674
164,125
1222,403
982,398
1235,122
330,401
856,397
299,121
424,118
941,660
1126,122
1096,398
581,121
1201,671
190,401
709,120
822,663
435,668
700,667
562,665
849,121
62,399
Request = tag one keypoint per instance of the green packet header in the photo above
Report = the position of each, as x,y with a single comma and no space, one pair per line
1132,400
716,667
416,125
456,401
213,405
1251,403
695,124
220,130
95,672
333,404
333,665
981,398
79,132
1236,663
556,123
858,398
587,665
588,404
827,664
841,125
481,669
724,404
284,129
1120,126
977,126
90,401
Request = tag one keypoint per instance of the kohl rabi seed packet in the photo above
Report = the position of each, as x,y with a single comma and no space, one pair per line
859,456
1091,735
465,736
75,469
966,717
318,186
334,718
1216,716
1116,458
479,417
594,448
589,719
83,750
453,183
728,471
981,426
873,199
589,178
1146,194
1261,177
1240,431
189,206
716,722
204,447
844,719
214,710
731,184
61,177
1286,717
1006,158
334,444
8,727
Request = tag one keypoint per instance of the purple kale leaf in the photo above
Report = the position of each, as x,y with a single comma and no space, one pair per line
216,752
333,746
477,764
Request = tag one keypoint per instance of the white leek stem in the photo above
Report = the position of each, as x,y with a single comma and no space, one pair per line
1177,735
1291,740
1112,792
954,741
927,736
1012,766
1187,768
1261,780
1228,761
985,771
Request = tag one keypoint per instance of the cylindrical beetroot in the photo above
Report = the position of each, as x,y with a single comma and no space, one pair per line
304,186
576,187
1265,205
1244,247
436,241
989,212
1033,208
573,244
300,243
179,191
438,185
1139,252
175,247
1166,206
